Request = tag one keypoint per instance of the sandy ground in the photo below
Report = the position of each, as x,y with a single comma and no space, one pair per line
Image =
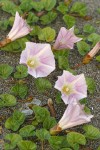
90,70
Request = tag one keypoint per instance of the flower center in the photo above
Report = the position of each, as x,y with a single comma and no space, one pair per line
32,62
62,42
66,89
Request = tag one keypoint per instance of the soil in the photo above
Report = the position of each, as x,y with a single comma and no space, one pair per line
90,70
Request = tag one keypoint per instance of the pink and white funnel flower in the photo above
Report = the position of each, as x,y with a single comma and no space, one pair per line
73,88
74,115
66,39
38,58
19,29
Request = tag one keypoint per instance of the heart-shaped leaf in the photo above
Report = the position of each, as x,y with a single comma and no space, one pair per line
13,140
27,131
74,139
43,134
19,90
49,4
26,145
69,20
48,18
40,113
7,100
21,72
15,121
47,34
5,70
91,132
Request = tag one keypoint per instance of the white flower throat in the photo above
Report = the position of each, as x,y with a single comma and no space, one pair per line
67,89
32,62
63,41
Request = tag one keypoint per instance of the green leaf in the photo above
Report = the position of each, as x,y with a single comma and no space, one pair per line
80,8
27,131
5,71
49,4
4,24
94,38
58,98
47,34
36,30
34,123
62,57
11,21
43,134
74,139
88,28
83,101
26,145
13,139
58,142
87,110
10,7
26,6
42,84
19,90
64,53
98,148
7,100
82,36
91,132
48,18
66,149
32,18
63,63
83,47
98,58
21,72
62,8
15,46
38,6
40,113
98,10
15,121
49,122
72,71
91,85
69,20
98,22
76,31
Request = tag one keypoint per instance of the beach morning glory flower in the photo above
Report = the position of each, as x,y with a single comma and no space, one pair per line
72,87
74,115
92,53
38,58
19,29
66,39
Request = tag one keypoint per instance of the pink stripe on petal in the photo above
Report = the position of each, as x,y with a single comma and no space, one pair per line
74,115
66,39
19,29
43,71
72,87
16,23
40,59
75,39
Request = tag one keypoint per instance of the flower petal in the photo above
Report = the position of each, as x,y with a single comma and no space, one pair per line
19,29
74,115
76,86
39,59
66,39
